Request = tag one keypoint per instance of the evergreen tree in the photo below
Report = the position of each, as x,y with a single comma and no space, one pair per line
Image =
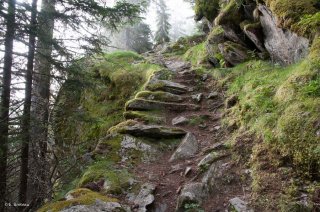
5,98
163,25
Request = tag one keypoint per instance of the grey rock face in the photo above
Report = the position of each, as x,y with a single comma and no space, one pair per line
98,206
181,120
194,192
145,197
188,148
236,204
283,45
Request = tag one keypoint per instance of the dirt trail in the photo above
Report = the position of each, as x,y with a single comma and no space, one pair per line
170,177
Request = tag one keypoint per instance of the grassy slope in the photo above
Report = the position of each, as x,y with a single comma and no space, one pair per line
280,105
90,102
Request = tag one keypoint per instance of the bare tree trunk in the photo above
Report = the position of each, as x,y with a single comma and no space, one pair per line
5,100
40,104
27,106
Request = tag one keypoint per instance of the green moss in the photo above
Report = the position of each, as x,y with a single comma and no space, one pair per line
80,197
208,9
182,45
121,126
197,55
230,14
116,179
247,25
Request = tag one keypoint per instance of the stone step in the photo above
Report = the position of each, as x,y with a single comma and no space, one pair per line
144,116
167,86
137,129
160,96
147,105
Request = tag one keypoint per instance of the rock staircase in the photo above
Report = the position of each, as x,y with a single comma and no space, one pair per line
175,124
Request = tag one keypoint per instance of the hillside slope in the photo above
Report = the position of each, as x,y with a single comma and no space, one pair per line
227,121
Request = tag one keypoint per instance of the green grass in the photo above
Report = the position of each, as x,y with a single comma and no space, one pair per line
280,105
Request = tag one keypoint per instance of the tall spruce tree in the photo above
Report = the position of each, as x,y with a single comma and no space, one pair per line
5,98
25,125
163,25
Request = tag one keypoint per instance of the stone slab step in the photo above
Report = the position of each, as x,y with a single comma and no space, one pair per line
160,96
147,105
167,86
137,129
144,116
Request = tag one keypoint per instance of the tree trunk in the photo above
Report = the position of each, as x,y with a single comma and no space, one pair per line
5,99
27,106
40,104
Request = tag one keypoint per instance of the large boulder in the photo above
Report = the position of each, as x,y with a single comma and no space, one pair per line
283,45
219,35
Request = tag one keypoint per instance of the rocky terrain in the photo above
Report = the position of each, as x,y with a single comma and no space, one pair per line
227,121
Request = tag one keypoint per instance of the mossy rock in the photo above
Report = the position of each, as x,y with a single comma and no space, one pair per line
208,9
148,131
234,53
289,14
198,56
231,14
81,196
152,117
166,86
159,96
116,180
148,105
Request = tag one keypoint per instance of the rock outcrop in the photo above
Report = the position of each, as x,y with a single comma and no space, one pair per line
283,45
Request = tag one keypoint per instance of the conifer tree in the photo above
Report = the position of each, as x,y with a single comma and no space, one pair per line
5,98
163,25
